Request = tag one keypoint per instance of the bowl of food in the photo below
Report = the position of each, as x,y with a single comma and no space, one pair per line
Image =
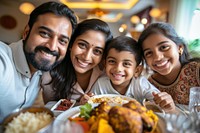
62,105
30,119
110,98
154,107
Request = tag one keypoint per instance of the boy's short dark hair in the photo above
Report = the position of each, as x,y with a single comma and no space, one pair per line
125,43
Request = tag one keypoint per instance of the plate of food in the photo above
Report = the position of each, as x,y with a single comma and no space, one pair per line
62,105
104,117
110,98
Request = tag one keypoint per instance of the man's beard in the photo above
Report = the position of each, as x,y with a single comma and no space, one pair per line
43,64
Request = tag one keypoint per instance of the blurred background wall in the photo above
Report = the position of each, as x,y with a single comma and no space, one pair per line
125,17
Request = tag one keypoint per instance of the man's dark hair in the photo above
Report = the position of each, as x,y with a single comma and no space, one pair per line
56,8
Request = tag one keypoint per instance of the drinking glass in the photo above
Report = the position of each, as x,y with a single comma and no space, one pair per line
194,101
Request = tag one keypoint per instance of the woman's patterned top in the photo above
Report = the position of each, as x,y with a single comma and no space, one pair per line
180,89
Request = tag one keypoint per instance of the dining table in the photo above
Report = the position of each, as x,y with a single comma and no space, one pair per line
174,121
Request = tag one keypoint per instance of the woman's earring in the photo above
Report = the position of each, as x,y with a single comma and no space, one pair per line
180,51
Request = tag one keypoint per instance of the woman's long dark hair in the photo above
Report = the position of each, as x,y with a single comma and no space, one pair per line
63,76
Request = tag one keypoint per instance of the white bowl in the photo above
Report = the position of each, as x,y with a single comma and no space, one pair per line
57,112
154,107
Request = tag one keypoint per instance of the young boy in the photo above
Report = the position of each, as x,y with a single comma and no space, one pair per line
123,58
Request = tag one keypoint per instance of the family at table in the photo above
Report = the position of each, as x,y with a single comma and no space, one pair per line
58,58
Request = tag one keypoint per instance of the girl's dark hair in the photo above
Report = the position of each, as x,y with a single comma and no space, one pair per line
125,43
55,8
168,31
63,76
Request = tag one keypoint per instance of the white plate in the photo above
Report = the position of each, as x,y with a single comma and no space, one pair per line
75,111
110,98
66,114
58,112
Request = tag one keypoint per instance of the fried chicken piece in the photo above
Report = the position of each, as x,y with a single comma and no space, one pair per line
148,123
135,106
124,120
102,108
98,113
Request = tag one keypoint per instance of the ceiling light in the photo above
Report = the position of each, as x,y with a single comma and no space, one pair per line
155,12
139,27
98,12
26,8
121,29
135,19
112,17
103,5
124,26
144,21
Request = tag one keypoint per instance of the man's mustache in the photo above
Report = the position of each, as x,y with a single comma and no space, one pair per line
45,49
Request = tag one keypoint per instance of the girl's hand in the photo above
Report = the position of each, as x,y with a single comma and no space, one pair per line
165,101
85,98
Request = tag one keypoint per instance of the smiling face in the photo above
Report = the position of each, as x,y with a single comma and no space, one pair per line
87,51
161,54
120,67
47,42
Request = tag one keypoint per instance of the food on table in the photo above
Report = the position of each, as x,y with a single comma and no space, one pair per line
150,120
115,99
105,127
125,120
148,117
153,107
64,105
81,121
102,108
28,122
85,110
135,106
131,117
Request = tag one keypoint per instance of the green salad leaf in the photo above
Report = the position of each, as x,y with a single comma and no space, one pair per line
85,110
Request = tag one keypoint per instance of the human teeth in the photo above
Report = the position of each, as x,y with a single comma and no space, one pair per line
117,75
46,54
83,63
161,64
